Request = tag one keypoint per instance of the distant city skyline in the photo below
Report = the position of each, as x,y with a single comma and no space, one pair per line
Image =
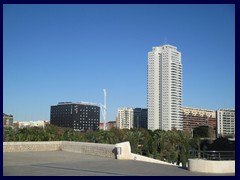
57,53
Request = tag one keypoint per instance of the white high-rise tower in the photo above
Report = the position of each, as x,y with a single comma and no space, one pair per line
164,88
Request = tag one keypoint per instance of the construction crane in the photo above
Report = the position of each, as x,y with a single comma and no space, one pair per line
104,108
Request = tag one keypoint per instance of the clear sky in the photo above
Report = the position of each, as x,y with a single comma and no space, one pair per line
55,53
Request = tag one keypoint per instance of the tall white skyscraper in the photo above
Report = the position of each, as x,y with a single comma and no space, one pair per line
164,88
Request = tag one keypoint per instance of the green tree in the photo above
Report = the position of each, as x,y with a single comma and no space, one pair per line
134,137
8,134
184,146
158,144
201,131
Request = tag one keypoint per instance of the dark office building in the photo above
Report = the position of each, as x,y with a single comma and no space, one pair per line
140,118
78,116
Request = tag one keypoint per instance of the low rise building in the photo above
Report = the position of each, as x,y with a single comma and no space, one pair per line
26,124
16,124
111,124
7,120
101,125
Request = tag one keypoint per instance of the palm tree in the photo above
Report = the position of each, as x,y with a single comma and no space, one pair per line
159,143
144,142
184,144
134,137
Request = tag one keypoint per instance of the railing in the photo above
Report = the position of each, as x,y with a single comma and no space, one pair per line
213,155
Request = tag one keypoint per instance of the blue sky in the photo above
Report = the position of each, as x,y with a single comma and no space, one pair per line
55,53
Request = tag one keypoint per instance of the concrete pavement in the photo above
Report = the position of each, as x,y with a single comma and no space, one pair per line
61,163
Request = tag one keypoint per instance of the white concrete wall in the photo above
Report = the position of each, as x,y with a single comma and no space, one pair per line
138,157
124,152
210,166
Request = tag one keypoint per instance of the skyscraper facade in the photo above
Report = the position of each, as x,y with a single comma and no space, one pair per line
195,117
140,118
132,118
226,122
125,118
164,88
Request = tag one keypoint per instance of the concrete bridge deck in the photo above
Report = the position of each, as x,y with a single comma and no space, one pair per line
61,163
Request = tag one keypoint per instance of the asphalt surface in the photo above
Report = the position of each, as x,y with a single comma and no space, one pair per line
61,163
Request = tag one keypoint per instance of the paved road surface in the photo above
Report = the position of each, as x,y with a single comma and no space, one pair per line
61,163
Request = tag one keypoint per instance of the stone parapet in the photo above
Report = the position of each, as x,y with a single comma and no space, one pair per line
32,146
104,150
